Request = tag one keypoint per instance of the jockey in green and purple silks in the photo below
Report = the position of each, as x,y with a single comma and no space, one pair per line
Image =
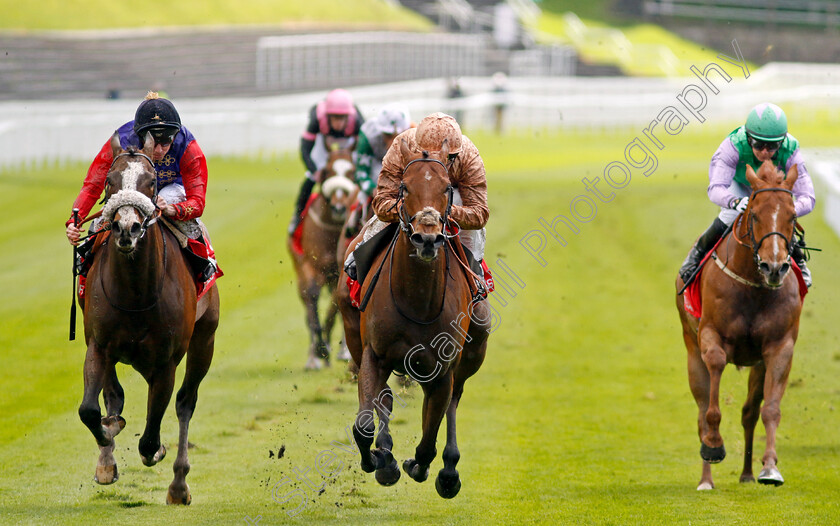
764,137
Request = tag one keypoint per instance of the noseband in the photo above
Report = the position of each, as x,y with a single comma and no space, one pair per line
148,219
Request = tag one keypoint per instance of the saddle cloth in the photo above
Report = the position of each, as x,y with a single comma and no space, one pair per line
694,302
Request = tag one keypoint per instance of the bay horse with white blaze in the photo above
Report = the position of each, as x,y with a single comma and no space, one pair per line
750,318
140,309
314,258
420,320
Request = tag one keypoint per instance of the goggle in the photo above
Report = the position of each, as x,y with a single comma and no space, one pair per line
759,145
163,137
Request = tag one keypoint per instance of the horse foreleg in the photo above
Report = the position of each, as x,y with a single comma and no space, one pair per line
371,378
448,482
749,417
437,397
713,355
198,363
698,382
310,291
103,429
384,403
161,383
777,362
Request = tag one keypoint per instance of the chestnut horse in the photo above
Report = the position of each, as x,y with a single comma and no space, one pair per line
141,310
750,317
317,265
421,321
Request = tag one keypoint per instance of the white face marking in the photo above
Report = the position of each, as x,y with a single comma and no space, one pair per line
427,176
774,219
131,174
342,167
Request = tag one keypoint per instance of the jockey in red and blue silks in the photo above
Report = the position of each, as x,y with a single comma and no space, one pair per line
180,166
337,118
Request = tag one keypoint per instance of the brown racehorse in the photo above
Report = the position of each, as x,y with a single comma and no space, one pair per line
140,309
317,266
750,317
420,315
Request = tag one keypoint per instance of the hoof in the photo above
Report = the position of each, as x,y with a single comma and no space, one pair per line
413,469
313,364
323,352
771,476
156,458
447,486
179,496
344,354
747,479
712,455
388,476
705,486
106,474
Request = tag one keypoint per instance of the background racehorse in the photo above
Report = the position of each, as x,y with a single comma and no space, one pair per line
316,265
420,321
750,317
141,309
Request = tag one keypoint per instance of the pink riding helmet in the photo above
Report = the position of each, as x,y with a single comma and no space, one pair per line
339,102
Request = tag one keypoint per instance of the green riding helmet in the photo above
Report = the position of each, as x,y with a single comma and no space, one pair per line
767,122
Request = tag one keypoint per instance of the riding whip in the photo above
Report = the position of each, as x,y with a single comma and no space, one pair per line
73,303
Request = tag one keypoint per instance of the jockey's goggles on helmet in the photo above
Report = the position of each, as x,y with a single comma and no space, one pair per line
759,145
163,136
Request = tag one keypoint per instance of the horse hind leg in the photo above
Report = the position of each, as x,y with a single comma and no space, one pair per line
749,418
198,363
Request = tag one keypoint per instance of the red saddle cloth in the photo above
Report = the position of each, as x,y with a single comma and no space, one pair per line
297,235
694,303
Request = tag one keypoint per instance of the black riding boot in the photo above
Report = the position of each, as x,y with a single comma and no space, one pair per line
703,245
799,256
303,197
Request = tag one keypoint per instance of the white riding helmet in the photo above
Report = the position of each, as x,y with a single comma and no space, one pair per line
434,128
392,119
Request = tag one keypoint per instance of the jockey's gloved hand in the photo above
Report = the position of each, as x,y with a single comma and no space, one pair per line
740,205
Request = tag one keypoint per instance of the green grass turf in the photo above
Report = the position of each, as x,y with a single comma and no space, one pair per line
101,14
581,413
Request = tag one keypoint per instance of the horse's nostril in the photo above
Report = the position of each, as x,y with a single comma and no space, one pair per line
785,268
764,267
135,229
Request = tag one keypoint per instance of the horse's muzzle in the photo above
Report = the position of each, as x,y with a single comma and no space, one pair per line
774,273
127,233
427,245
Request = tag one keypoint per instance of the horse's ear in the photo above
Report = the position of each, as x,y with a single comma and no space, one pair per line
405,152
149,144
791,177
444,149
752,178
116,147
